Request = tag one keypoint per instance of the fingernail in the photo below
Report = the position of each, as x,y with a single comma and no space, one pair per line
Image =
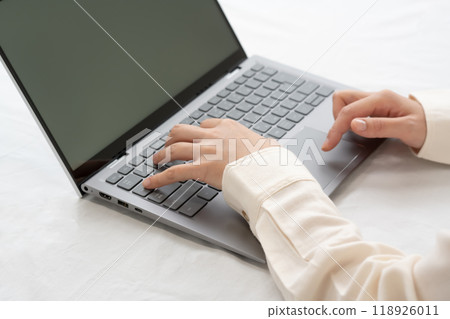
360,125
325,144
146,183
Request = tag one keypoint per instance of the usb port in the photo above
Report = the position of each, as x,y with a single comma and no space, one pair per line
138,210
122,203
105,196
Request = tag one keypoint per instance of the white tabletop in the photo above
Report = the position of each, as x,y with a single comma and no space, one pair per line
56,246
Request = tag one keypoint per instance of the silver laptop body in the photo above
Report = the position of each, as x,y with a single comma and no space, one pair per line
273,99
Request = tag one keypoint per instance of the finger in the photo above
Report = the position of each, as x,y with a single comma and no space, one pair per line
346,97
178,151
212,122
185,133
362,108
174,174
379,127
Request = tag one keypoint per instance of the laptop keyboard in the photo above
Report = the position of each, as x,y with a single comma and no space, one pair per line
263,99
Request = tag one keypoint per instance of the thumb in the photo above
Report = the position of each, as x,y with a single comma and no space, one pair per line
377,127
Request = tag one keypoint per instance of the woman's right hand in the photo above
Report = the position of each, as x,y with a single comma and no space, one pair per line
380,114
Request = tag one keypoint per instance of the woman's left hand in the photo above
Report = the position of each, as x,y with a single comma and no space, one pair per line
210,147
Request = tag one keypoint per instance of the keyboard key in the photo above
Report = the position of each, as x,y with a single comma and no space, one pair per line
181,195
279,96
257,67
248,74
125,170
253,84
207,193
244,107
252,118
287,88
175,163
137,160
129,182
286,125
223,94
225,105
304,109
192,206
241,80
143,171
261,77
141,190
164,137
114,178
205,107
157,144
214,100
271,119
147,152
262,127
280,111
149,162
311,98
270,103
160,194
245,123
196,114
269,71
298,97
244,91
204,117
187,121
294,117
253,99
324,91
261,110
282,77
234,98
235,115
317,101
308,87
277,132
262,92
214,188
271,85
232,86
216,113
289,104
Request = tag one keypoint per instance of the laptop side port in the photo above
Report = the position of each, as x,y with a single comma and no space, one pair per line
138,210
105,196
122,203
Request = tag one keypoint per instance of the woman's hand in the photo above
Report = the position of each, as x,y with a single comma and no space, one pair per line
211,147
380,114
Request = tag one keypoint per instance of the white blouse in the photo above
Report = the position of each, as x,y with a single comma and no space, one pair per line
315,254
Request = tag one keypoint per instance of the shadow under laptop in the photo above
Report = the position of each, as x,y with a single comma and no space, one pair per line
150,222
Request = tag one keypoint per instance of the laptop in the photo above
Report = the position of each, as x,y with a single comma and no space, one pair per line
106,81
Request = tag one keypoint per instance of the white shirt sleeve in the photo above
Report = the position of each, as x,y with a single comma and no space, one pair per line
312,252
436,105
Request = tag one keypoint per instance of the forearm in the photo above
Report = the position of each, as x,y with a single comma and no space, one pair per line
312,252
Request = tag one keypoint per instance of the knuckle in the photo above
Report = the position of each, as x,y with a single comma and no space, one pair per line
377,125
174,129
346,111
170,174
386,93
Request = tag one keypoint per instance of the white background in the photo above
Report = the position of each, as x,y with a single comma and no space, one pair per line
56,246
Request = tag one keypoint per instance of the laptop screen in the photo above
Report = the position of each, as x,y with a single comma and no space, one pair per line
87,65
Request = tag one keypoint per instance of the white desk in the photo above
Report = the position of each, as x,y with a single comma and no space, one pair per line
55,246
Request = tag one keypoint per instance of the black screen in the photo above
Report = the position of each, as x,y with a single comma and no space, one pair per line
86,89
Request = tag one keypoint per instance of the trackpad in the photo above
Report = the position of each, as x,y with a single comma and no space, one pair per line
324,166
